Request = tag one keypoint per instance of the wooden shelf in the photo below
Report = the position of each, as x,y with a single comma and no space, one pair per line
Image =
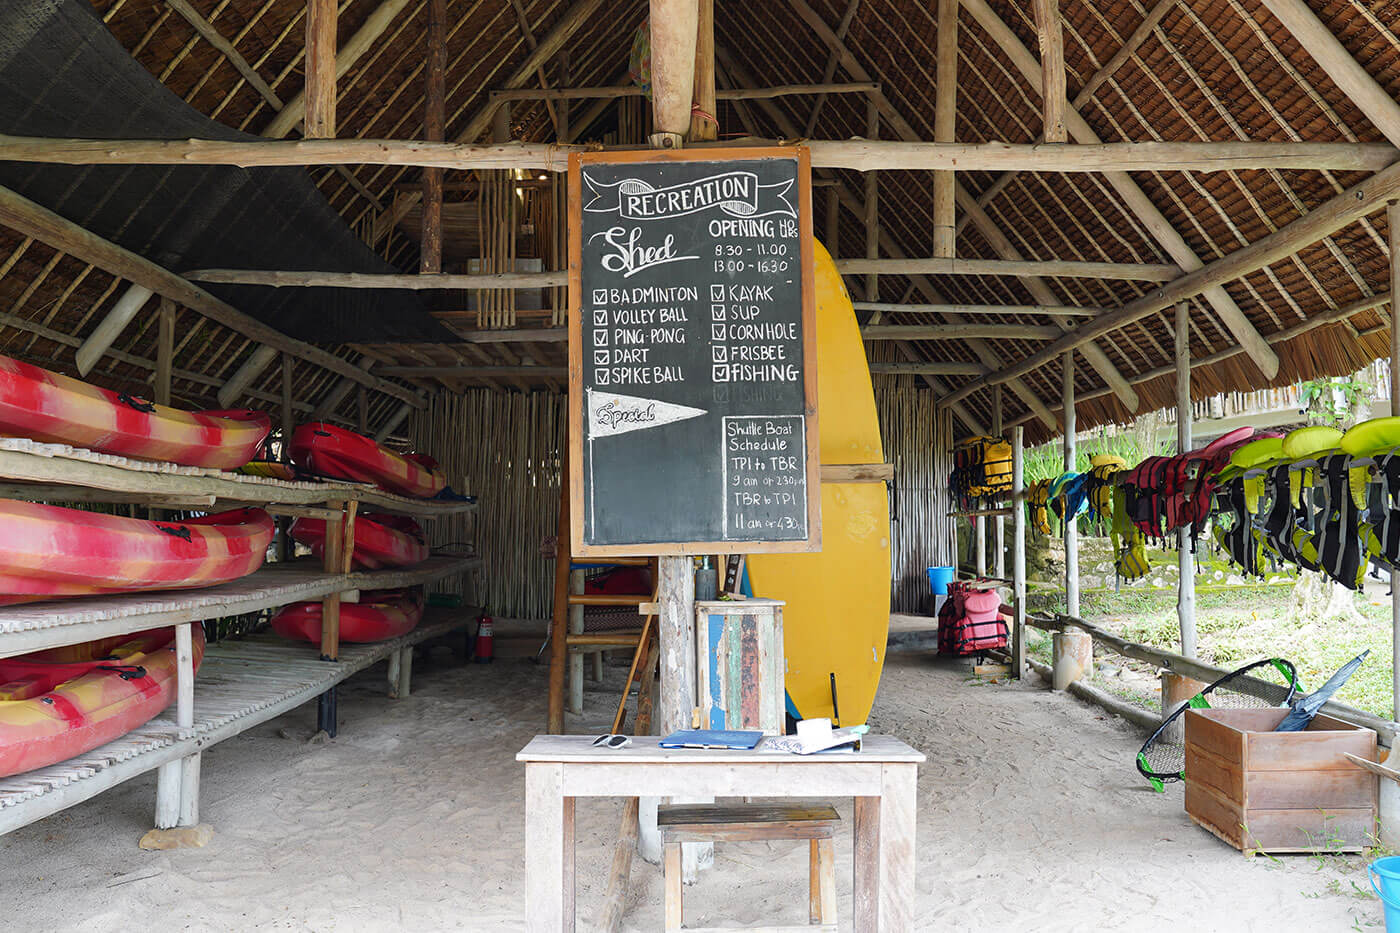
62,473
242,683
36,626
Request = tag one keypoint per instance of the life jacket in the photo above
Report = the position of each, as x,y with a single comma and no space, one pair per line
981,469
1155,496
1069,495
1037,506
1384,511
1340,531
970,620
1234,530
1102,480
1284,520
1129,545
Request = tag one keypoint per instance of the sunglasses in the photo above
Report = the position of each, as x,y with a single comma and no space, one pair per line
611,741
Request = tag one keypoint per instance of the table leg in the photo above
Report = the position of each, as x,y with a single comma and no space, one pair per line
898,815
866,865
549,844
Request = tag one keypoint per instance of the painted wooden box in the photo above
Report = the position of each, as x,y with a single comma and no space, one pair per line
739,683
1266,791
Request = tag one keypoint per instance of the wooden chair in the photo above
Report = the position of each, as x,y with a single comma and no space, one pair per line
751,823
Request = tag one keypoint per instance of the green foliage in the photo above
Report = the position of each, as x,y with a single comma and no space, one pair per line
1336,402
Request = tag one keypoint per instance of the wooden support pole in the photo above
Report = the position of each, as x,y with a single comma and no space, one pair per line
165,352
945,129
675,26
1071,525
259,360
575,703
434,122
1392,216
289,418
703,116
999,310
1139,272
1050,36
1186,564
559,625
955,332
927,369
872,204
184,718
999,521
1018,552
833,222
321,38
393,423
110,327
362,411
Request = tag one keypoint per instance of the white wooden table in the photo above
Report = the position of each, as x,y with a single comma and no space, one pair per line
881,777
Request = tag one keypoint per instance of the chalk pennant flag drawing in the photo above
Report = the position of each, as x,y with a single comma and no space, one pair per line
610,413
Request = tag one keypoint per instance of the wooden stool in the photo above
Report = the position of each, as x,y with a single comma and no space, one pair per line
712,823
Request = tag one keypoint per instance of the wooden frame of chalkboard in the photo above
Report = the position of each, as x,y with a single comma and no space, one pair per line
800,529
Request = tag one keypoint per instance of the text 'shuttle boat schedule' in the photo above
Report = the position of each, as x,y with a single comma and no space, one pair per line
689,333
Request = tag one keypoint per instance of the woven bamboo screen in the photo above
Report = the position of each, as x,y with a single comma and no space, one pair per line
918,441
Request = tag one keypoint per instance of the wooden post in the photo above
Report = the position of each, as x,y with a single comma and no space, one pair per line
1071,531
362,410
675,26
288,412
872,203
1052,69
999,522
833,221
321,18
945,129
1186,562
559,626
1018,552
109,329
1392,216
434,122
576,585
704,124
165,351
676,628
1073,656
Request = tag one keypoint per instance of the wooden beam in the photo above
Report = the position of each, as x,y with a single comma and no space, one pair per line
872,205
858,155
31,219
110,327
1392,216
434,122
339,392
832,61
945,105
580,13
393,423
674,28
252,367
1134,199
473,372
1050,35
321,21
165,352
927,369
1338,212
1186,570
1071,526
958,332
346,56
226,49
399,280
1379,106
1050,310
704,125
523,20
1135,272
609,92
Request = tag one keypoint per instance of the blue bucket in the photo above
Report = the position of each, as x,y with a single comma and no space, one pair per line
939,578
1386,871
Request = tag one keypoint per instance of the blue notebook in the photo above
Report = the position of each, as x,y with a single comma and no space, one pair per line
712,738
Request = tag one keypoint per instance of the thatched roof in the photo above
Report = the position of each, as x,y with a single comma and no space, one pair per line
1209,70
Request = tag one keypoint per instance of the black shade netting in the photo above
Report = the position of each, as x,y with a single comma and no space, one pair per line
65,75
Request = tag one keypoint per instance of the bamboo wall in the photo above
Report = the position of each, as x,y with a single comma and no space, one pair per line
918,441
504,448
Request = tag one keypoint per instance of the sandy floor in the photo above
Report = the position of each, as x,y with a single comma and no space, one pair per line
1031,818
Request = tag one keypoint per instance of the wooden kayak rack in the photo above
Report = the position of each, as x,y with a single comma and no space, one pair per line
277,675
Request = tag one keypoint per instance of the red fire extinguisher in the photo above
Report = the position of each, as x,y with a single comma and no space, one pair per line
485,648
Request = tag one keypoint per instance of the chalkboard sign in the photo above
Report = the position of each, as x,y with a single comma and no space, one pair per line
692,353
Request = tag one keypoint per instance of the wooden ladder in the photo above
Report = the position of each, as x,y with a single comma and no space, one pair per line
567,638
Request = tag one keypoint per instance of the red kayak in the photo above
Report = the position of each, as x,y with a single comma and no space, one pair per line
47,551
376,617
380,540
58,409
62,702
327,450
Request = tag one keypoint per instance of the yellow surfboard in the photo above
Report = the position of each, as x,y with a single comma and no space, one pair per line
837,616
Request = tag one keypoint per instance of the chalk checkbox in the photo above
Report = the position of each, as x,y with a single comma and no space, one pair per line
717,312
600,338
600,376
722,394
719,354
600,357
719,373
716,292
717,331
600,318
600,296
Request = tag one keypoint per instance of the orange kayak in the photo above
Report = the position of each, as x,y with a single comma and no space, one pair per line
47,551
326,450
380,540
58,409
60,703
376,617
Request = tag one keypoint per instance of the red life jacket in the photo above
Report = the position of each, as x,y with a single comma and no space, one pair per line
971,621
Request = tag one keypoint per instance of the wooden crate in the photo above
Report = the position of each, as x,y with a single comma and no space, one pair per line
1266,791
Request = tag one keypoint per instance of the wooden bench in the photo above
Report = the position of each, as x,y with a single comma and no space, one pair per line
716,823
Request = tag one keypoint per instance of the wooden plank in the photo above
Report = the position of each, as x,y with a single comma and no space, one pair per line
1311,789
866,856
1219,774
1213,736
857,472
1344,830
872,332
1307,751
1142,272
1213,812
321,21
